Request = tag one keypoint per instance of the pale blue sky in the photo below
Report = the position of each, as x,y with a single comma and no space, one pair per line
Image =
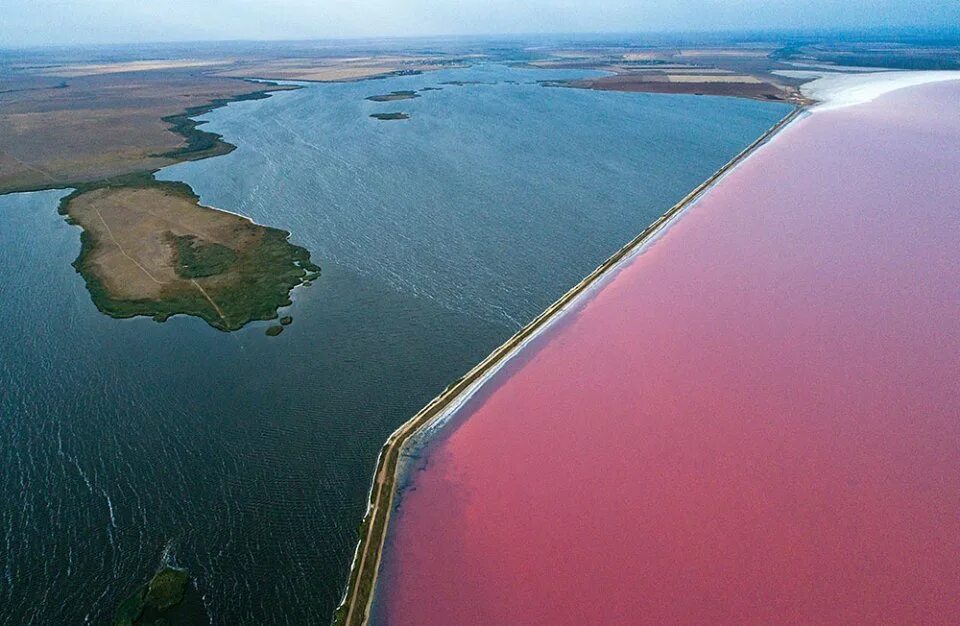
27,22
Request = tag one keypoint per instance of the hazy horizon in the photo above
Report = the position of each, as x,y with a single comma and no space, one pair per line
65,22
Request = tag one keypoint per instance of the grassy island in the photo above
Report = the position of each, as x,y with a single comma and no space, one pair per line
397,115
149,248
150,603
394,96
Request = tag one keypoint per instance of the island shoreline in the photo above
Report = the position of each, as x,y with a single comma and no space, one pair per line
198,144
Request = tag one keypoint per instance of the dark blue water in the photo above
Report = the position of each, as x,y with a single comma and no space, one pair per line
249,457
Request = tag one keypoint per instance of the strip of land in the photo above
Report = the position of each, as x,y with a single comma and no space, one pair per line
358,596
57,132
757,70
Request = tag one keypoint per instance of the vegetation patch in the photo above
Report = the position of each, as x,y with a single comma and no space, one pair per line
197,258
148,248
150,602
394,96
396,115
273,331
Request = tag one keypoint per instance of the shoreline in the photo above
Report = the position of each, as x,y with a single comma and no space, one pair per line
198,144
361,583
264,264
179,124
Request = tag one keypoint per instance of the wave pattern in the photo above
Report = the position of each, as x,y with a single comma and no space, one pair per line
249,457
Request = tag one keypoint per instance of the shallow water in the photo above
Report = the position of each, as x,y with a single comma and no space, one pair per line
753,421
250,457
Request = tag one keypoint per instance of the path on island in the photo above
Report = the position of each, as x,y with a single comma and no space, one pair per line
124,252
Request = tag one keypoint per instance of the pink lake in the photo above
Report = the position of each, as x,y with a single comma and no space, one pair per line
755,420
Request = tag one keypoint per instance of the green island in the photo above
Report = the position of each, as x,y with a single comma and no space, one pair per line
394,96
151,603
396,115
149,248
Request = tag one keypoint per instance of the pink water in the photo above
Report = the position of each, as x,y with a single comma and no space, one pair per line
757,420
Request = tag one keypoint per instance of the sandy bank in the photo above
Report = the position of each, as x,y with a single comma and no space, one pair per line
834,90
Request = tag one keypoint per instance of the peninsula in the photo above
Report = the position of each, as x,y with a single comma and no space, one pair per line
147,247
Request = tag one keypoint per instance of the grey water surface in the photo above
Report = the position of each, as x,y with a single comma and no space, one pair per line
249,458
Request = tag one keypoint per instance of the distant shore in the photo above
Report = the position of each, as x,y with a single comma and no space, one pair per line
361,584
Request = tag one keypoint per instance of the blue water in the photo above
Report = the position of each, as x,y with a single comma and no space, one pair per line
250,457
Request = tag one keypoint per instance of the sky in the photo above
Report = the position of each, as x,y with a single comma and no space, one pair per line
44,22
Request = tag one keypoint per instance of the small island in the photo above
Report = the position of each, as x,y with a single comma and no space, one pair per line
397,115
394,96
150,603
149,247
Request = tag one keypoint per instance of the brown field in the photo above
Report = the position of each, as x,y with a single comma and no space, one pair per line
678,77
89,69
744,72
135,258
661,84
57,132
330,69
300,69
736,52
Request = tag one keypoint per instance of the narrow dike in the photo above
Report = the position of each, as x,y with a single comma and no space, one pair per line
354,609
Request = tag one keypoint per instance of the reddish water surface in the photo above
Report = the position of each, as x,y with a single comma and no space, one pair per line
756,420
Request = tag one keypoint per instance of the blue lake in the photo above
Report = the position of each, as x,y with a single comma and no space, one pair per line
247,457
